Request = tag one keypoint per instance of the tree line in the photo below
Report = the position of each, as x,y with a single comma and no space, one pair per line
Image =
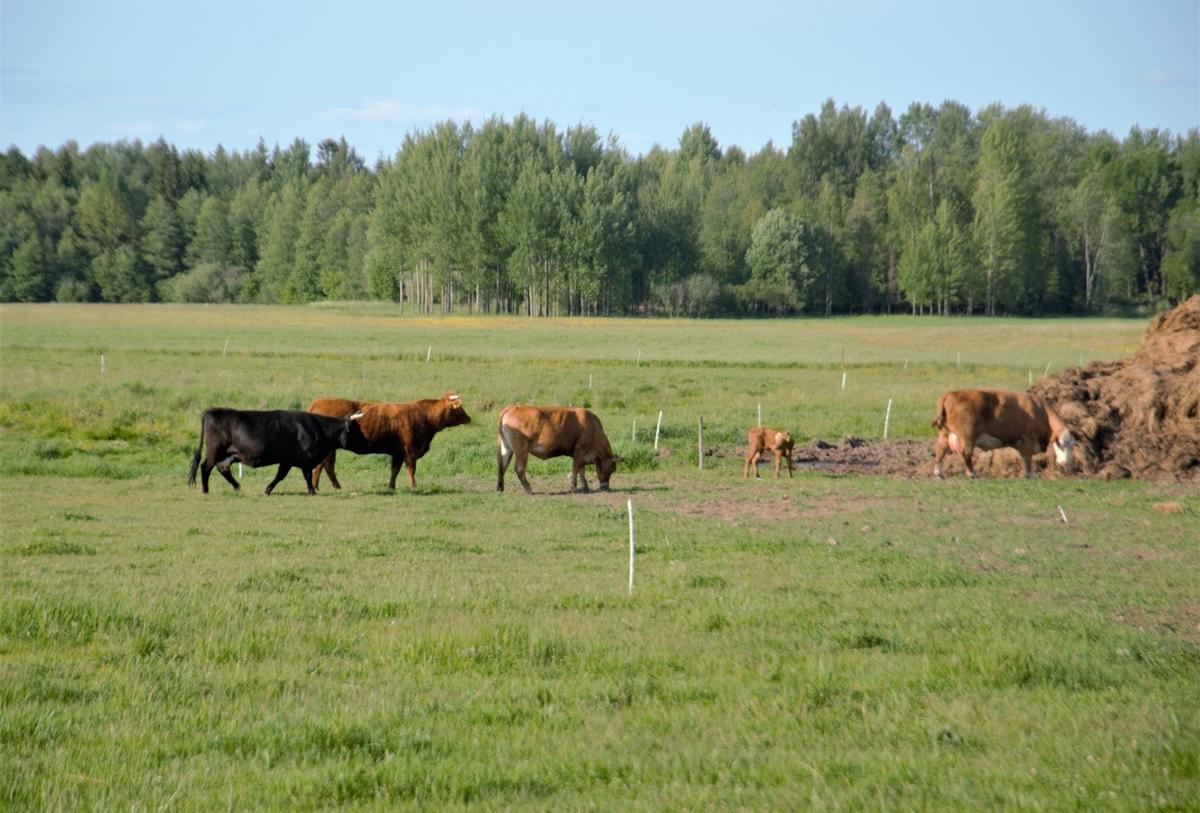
939,211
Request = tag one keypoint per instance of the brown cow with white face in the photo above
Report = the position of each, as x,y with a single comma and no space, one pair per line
994,419
776,441
553,431
404,431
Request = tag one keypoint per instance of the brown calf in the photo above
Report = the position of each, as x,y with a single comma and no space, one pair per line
403,431
777,441
994,419
553,431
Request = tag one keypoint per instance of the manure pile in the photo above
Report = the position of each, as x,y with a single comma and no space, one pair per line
1139,416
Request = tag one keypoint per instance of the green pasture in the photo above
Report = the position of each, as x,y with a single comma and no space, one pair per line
828,642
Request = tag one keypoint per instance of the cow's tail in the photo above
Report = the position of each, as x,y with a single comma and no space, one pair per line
502,446
939,420
196,457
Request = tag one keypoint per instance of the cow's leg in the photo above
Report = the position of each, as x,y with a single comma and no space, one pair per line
397,462
939,453
410,463
310,479
522,459
205,469
788,458
967,453
1027,449
746,466
226,468
579,472
284,468
778,463
328,465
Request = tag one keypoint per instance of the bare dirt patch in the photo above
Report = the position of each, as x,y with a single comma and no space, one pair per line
898,458
1181,619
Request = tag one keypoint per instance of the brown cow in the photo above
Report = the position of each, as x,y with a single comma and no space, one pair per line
994,419
403,431
553,431
777,441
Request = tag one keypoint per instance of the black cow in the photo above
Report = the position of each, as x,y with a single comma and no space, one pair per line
268,437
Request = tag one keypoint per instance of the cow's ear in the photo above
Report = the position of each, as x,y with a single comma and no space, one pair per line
355,416
618,459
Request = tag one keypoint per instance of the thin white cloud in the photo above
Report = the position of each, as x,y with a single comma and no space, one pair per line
1160,77
395,112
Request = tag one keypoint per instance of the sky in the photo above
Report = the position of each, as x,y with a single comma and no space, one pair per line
203,74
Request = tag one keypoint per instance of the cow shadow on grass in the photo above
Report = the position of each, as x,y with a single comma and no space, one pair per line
566,492
384,491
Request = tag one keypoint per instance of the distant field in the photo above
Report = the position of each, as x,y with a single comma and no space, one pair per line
827,642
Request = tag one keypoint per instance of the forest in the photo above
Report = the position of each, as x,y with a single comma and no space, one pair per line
938,211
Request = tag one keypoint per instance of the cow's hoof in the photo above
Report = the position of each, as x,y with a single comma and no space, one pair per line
500,489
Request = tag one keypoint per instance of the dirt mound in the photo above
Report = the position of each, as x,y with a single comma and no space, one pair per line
1140,416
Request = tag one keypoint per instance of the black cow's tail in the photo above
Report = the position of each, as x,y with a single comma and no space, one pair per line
196,457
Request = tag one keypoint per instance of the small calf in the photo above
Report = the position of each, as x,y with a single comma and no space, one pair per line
777,441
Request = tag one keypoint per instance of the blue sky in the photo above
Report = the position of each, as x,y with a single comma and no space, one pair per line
207,73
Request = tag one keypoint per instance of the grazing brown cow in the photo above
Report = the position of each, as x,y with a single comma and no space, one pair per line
403,431
994,419
553,431
777,441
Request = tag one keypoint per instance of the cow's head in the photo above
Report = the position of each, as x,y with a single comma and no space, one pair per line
1063,445
455,414
605,466
351,432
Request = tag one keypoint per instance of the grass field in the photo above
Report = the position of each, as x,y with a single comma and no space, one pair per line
827,642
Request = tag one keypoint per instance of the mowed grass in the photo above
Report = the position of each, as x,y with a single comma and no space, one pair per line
826,642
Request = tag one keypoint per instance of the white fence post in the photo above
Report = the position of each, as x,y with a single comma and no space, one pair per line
657,428
630,504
